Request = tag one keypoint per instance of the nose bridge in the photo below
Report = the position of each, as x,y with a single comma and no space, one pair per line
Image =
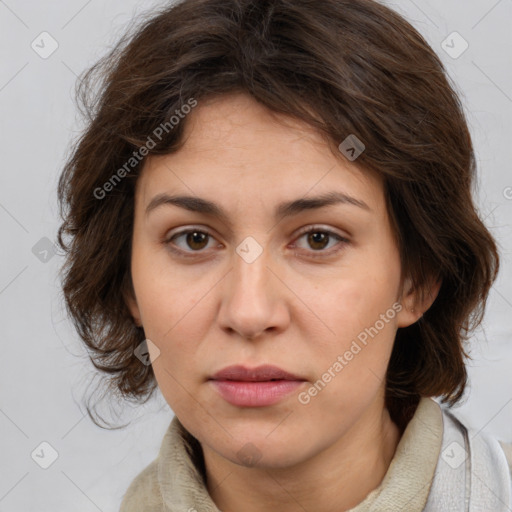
250,286
252,261
249,302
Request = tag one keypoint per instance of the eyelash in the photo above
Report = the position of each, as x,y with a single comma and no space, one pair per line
314,229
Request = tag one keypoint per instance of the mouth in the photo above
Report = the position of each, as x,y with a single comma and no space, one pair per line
262,373
255,387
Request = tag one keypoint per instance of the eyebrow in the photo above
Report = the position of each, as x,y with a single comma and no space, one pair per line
284,209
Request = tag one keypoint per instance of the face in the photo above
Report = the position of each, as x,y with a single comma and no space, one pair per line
312,290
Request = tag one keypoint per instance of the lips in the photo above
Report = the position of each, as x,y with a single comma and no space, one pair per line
255,387
258,374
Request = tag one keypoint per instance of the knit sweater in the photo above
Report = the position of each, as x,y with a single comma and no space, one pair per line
430,471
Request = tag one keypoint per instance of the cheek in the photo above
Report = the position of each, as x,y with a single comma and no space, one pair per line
171,311
349,304
176,321
166,297
175,328
351,355
350,363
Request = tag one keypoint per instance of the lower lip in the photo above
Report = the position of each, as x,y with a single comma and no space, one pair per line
255,394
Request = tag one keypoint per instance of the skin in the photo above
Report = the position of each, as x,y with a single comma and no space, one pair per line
286,308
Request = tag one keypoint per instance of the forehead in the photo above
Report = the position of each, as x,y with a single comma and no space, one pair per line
236,150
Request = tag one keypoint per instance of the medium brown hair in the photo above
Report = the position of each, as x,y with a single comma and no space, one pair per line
342,66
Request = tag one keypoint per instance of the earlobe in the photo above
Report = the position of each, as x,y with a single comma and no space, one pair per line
134,310
414,305
131,303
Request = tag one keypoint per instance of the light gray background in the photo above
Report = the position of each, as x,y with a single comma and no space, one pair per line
44,369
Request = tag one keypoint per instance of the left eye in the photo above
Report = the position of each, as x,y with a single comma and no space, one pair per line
318,239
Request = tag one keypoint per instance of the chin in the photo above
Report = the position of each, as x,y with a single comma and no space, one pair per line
264,451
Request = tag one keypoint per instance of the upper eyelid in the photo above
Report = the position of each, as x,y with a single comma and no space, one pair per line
306,229
318,227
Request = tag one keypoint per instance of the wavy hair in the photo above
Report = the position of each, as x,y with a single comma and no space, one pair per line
343,66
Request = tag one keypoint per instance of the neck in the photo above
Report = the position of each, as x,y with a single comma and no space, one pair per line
334,480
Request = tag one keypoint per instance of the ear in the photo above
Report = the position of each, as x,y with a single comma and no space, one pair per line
131,302
414,304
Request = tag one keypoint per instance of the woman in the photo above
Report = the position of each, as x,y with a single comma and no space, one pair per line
271,221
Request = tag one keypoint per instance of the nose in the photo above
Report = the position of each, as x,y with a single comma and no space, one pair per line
254,298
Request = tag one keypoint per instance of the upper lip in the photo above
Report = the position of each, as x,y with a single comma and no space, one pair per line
259,374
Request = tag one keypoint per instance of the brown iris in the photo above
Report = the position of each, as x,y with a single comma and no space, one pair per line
316,237
197,237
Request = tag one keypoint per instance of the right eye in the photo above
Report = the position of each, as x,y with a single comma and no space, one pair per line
194,238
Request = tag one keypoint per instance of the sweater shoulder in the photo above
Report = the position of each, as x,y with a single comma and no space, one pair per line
143,493
493,443
507,448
